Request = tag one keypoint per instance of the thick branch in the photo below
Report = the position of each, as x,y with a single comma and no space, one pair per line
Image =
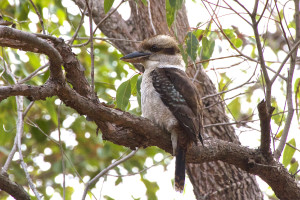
32,92
14,38
132,131
74,70
125,129
13,188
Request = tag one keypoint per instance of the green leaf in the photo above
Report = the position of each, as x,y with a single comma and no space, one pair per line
118,181
172,3
152,187
145,2
107,5
108,197
69,192
279,134
235,107
123,95
208,48
288,153
172,6
238,42
183,54
294,167
138,89
61,14
170,13
177,4
296,85
133,82
192,46
229,33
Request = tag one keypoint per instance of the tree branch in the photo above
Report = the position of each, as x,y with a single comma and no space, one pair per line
74,70
19,133
131,131
13,188
14,38
289,86
31,92
265,119
103,172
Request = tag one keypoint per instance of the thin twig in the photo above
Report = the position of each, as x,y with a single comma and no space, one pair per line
234,47
141,171
28,108
20,127
228,123
296,94
283,14
70,42
279,126
100,23
281,25
262,14
254,12
212,59
61,151
2,72
109,14
31,123
33,74
295,48
239,86
262,60
10,156
223,100
14,148
289,87
90,10
240,4
39,15
105,39
103,172
239,13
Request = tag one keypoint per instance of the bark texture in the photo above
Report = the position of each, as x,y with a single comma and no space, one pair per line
132,131
213,180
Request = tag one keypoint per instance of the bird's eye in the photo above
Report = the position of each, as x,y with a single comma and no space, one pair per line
154,48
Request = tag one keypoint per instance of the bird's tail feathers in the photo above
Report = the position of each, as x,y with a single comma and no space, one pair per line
180,169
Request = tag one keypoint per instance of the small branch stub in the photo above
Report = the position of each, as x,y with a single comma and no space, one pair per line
265,119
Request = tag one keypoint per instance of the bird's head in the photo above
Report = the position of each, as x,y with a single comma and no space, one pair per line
155,51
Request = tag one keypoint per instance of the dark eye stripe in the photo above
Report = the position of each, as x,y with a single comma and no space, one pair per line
154,48
170,51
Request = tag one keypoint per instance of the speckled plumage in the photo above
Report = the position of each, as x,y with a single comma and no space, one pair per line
168,97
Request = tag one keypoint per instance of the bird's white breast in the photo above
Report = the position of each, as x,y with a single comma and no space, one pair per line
152,106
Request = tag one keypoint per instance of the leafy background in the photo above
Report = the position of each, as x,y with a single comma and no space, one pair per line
118,84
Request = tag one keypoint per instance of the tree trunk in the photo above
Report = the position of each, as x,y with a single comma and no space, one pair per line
218,180
212,180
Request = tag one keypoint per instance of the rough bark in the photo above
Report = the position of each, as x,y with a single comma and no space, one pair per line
13,188
218,180
214,180
132,131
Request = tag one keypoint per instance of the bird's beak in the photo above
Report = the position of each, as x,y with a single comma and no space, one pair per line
135,57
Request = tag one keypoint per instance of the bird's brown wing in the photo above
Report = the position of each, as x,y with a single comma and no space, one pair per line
180,95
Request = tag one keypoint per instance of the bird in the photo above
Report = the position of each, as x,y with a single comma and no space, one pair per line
169,97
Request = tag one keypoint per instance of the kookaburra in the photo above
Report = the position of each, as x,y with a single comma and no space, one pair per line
168,96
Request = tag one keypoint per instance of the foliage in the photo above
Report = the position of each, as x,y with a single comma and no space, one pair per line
85,154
